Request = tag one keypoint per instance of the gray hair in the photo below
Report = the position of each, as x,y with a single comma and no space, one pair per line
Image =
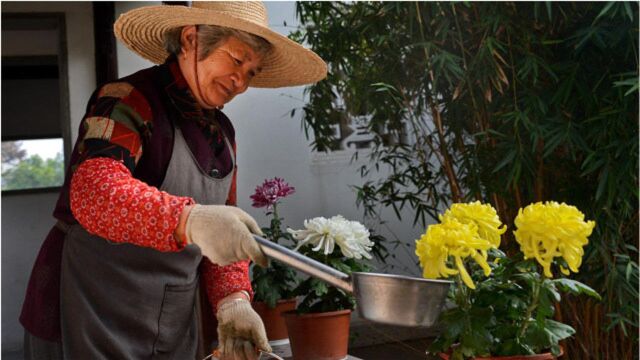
212,36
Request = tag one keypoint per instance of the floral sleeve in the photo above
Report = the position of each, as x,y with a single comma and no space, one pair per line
224,280
107,201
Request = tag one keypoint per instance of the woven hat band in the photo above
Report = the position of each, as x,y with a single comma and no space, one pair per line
252,11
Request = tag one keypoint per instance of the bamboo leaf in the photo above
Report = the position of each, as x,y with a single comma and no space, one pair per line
602,183
605,10
505,161
627,8
548,5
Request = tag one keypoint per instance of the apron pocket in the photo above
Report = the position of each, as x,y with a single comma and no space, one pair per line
176,317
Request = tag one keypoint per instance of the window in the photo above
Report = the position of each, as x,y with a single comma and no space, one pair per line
32,164
33,149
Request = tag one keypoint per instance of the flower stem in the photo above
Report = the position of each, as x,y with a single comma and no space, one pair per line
275,230
462,296
535,297
462,300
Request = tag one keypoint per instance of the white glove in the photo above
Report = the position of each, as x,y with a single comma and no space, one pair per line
240,331
223,234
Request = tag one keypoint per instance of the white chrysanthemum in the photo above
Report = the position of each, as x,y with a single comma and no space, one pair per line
351,236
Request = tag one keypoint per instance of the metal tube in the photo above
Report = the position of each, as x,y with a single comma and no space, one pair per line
305,264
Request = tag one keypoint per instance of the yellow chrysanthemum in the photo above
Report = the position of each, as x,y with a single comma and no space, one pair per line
548,230
451,238
483,215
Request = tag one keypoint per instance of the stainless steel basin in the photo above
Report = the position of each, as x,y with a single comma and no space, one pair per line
389,299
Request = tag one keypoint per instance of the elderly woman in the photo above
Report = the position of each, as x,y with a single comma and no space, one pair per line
148,204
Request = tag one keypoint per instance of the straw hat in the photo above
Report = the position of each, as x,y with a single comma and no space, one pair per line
288,63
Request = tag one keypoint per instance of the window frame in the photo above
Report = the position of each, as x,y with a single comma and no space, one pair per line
45,21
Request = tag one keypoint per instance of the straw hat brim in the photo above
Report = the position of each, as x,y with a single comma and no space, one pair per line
287,64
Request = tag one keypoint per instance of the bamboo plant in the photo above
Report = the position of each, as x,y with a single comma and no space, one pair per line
505,103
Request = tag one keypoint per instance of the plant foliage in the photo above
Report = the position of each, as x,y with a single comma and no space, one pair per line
509,313
278,281
507,103
318,296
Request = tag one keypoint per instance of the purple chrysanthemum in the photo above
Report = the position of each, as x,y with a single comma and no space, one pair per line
270,192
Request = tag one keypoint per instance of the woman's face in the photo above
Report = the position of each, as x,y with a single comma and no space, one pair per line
222,75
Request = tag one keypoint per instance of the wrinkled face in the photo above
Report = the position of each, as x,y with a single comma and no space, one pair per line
225,73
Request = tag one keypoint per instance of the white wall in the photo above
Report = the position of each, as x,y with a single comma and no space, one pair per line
128,61
26,219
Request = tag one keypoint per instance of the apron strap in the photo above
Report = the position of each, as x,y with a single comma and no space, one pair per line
63,226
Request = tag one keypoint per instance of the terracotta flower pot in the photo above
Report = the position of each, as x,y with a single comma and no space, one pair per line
320,336
544,356
272,317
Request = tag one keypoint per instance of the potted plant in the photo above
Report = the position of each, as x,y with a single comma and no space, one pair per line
273,286
504,305
319,328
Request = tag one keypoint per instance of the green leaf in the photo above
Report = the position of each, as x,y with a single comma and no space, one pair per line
529,278
505,161
605,10
627,8
549,4
545,304
629,270
440,344
481,317
319,287
453,323
576,287
633,89
512,347
537,337
558,331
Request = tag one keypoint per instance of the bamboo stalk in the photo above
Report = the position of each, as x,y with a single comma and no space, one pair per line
518,196
479,119
539,181
453,182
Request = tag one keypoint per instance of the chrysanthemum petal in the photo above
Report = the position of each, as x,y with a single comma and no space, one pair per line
452,240
351,236
549,230
464,274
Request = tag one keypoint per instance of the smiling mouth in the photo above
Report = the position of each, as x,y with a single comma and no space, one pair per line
225,89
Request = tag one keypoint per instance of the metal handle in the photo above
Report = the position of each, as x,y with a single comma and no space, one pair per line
305,264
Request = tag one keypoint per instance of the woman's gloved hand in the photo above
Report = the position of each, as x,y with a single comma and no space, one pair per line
240,331
223,234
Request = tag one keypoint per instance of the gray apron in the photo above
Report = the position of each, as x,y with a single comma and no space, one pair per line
121,301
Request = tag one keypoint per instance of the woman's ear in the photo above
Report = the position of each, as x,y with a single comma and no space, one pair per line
188,39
